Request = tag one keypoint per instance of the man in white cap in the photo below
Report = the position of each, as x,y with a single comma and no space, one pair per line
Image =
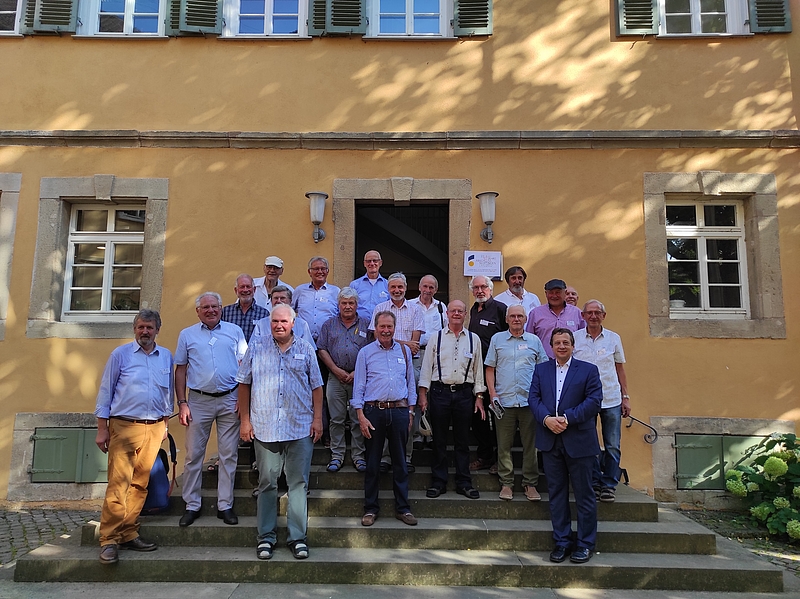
273,269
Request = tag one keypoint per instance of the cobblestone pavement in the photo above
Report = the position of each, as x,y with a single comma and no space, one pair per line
22,530
740,528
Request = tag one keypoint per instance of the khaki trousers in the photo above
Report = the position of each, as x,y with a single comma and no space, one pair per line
132,451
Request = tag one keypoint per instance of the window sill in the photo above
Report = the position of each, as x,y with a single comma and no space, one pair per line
265,38
10,35
44,329
119,36
761,328
704,36
410,38
700,315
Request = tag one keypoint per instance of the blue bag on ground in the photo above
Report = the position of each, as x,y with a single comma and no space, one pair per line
160,488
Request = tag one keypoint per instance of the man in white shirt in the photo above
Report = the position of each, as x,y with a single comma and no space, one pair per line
273,269
516,295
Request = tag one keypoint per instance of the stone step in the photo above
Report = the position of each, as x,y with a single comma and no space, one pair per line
630,505
731,569
672,534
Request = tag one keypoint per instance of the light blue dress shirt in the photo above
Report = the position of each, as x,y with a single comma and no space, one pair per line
212,355
136,385
370,295
383,375
514,359
281,405
315,306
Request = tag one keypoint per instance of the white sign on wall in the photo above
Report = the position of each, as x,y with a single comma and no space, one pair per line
488,264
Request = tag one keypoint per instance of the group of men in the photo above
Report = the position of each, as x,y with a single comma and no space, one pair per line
281,368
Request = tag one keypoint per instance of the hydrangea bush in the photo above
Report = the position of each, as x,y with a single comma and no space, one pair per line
771,484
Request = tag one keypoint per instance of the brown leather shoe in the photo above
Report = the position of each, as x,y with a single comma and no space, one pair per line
480,464
368,519
139,544
109,554
531,494
506,493
407,518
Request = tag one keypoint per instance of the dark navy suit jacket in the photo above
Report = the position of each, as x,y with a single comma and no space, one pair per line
581,398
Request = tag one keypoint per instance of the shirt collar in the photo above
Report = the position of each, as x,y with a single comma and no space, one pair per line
567,365
204,326
140,348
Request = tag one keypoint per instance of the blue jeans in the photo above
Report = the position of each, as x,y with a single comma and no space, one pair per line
606,470
391,425
294,459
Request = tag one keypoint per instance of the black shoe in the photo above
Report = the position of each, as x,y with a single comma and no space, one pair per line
384,467
581,555
188,517
434,492
559,554
411,467
109,554
139,544
227,516
469,492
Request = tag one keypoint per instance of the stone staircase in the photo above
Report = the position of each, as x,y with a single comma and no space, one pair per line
484,542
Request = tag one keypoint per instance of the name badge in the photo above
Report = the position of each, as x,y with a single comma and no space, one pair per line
165,371
601,351
571,323
467,354
299,357
323,298
383,294
485,323
362,334
212,341
522,346
401,361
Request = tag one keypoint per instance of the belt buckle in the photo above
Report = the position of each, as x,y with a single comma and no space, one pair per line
453,388
382,405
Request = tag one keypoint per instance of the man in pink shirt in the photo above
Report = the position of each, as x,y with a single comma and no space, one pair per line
556,313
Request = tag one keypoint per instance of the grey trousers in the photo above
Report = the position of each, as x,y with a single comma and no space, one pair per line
339,396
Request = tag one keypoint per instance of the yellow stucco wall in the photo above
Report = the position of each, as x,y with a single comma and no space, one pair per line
574,214
551,64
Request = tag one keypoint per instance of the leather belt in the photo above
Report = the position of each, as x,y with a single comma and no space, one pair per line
440,386
220,394
383,405
136,421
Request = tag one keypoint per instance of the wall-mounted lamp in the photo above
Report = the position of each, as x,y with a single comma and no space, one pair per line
317,204
487,199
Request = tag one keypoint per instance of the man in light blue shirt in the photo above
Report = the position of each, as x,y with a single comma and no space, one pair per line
384,396
316,301
372,288
510,361
207,359
133,407
280,400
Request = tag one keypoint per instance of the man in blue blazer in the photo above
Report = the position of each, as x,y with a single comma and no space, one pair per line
565,398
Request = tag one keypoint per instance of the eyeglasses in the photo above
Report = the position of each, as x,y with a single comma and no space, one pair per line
456,311
477,287
371,261
322,269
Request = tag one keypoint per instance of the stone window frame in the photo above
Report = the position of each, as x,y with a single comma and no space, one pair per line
759,194
56,196
10,184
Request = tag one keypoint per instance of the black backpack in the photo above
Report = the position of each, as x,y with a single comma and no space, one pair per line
160,488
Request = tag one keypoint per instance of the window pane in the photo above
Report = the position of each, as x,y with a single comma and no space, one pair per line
8,5
681,249
724,297
147,24
676,6
719,216
681,215
85,299
127,277
689,294
87,276
683,272
285,7
251,7
141,6
7,22
722,249
723,272
110,24
713,24
129,220
128,253
284,24
397,6
251,24
426,24
89,253
680,24
431,6
117,6
92,220
125,299
712,5
393,24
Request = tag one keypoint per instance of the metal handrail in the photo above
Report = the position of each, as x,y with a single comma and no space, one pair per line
651,437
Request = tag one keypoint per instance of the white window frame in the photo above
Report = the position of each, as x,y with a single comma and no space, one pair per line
703,233
445,22
110,238
738,20
230,15
17,18
89,20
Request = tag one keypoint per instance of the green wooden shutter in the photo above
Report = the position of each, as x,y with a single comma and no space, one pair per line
472,17
172,24
28,15
346,17
55,454
201,16
55,15
317,9
770,16
637,17
92,463
699,462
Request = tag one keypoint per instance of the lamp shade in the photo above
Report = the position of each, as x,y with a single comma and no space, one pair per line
317,205
487,199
